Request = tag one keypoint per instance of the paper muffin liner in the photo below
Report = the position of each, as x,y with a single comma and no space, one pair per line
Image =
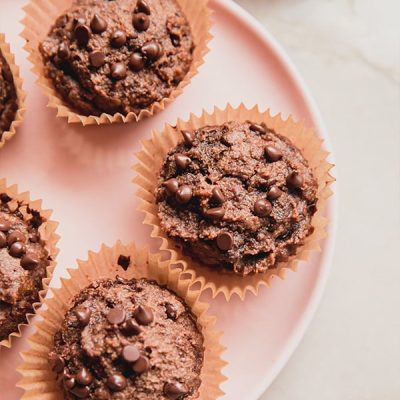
40,15
150,160
9,57
39,381
48,234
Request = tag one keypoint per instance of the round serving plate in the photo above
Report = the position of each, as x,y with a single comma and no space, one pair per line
84,175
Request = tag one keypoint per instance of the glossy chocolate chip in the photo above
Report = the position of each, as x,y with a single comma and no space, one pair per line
182,161
224,241
262,207
118,71
217,195
188,137
5,226
80,392
144,315
69,382
116,382
82,34
97,58
83,315
274,193
3,240
84,377
29,261
130,328
124,261
63,51
136,62
152,50
56,363
116,316
294,180
118,39
17,249
98,24
171,311
141,365
257,128
272,153
130,353
142,7
174,390
172,185
184,194
16,236
141,21
215,213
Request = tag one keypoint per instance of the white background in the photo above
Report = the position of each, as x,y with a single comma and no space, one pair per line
348,53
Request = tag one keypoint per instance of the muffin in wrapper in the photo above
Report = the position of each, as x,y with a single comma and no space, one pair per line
40,15
151,158
39,382
9,57
48,235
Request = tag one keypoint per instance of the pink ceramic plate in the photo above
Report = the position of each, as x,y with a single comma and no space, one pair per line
84,175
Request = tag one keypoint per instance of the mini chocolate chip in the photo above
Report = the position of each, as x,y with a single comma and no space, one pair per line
175,40
84,377
82,315
141,365
262,208
172,185
188,137
294,180
257,128
3,240
217,195
56,363
274,193
171,311
15,236
82,34
116,316
63,51
98,24
152,50
174,390
130,327
144,315
116,382
141,22
182,161
272,153
69,382
184,194
17,249
130,353
142,6
124,261
224,241
118,39
29,261
136,62
118,71
80,392
215,213
5,226
97,58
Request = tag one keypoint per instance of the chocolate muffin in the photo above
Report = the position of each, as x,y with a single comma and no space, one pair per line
128,339
23,262
8,96
118,56
238,197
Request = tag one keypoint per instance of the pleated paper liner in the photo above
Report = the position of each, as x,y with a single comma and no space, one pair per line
39,382
9,57
40,15
48,234
147,169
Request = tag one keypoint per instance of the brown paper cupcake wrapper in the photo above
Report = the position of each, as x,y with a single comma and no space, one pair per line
9,57
39,382
40,15
48,234
150,160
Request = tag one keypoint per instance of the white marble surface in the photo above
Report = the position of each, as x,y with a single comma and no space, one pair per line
348,52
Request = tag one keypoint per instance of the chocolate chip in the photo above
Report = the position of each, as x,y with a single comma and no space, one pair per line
174,390
272,153
188,137
171,311
184,194
124,261
217,195
175,40
144,315
130,328
5,226
15,236
56,363
294,180
98,24
152,50
83,315
257,128
82,34
274,193
130,353
116,382
224,241
262,208
215,213
172,185
63,51
97,58
141,365
182,161
84,377
80,392
17,249
29,261
102,394
5,198
143,7
136,62
69,382
118,39
118,71
116,316
3,240
141,22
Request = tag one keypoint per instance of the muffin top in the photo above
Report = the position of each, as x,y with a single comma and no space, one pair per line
118,56
8,96
238,196
23,262
128,339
